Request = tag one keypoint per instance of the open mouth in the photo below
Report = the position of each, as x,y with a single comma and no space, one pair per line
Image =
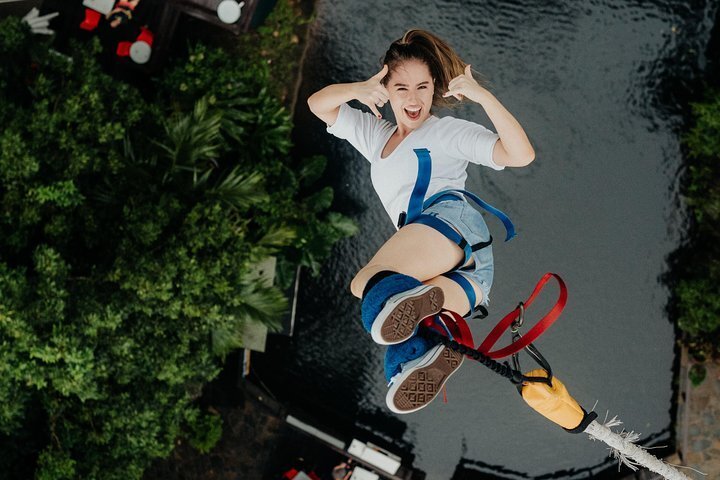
412,112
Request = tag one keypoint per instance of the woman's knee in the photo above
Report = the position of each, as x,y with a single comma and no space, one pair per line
357,284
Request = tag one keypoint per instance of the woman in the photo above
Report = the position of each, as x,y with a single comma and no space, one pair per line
420,270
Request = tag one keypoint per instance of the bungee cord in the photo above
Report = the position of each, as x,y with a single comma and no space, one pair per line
542,391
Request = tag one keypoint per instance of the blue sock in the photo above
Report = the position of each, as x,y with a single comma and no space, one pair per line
410,349
376,297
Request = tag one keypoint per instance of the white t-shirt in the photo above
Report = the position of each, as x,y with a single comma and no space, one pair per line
452,143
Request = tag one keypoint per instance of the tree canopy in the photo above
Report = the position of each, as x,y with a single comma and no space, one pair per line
129,230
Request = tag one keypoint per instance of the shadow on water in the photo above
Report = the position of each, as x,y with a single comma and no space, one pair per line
602,89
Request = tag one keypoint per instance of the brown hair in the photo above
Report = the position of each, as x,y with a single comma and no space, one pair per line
441,59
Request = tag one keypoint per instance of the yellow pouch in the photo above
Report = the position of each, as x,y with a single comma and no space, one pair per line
554,403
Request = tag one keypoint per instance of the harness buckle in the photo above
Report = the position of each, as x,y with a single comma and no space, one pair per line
514,338
530,349
516,324
402,218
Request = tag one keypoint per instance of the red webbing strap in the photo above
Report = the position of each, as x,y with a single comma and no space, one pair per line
532,334
461,332
456,324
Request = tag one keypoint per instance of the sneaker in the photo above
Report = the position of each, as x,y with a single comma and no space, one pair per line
402,313
420,380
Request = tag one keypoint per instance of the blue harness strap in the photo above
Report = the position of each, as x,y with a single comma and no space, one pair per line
415,206
417,202
509,227
465,284
476,311
449,233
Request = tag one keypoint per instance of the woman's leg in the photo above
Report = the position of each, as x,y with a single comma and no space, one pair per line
415,250
421,252
455,298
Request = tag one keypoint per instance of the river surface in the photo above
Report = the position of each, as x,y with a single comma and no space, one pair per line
593,83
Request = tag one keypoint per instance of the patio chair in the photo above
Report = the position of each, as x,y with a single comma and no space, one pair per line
92,18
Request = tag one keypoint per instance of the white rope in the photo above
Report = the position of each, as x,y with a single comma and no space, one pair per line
624,449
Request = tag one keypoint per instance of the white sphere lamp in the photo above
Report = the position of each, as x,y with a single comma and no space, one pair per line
228,11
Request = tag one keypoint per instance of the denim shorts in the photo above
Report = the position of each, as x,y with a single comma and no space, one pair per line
470,223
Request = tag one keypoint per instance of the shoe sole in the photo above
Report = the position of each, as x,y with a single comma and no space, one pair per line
399,318
416,388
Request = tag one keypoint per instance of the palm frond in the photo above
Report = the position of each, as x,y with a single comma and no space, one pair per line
311,170
262,303
279,236
320,200
193,142
241,191
343,225
258,303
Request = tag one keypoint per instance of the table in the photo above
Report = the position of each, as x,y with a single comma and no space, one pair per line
208,11
360,473
102,6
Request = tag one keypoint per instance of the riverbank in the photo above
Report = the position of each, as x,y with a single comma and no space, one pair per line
697,425
252,429
698,420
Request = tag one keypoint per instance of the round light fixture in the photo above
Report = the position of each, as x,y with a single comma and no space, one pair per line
140,52
228,11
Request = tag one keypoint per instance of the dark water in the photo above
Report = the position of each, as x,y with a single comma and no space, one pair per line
593,84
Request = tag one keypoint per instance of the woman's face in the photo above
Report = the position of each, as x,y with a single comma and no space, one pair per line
411,91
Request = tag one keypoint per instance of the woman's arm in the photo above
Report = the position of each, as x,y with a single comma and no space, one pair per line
325,103
513,149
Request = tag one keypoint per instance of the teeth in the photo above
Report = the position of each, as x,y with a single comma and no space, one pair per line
413,110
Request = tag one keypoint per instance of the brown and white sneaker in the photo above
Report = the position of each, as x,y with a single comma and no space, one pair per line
402,313
420,380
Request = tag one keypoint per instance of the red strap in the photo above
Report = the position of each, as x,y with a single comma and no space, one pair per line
456,324
459,328
532,334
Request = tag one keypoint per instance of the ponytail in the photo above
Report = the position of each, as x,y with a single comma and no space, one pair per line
441,59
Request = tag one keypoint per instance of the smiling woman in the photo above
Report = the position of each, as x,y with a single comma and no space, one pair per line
441,257
411,98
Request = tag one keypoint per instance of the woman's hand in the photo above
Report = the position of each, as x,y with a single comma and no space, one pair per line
373,93
513,148
325,103
465,86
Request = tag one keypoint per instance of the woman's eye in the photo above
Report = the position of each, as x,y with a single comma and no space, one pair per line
422,86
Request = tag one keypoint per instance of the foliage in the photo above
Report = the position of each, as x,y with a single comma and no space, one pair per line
277,44
129,231
697,374
256,125
205,431
696,290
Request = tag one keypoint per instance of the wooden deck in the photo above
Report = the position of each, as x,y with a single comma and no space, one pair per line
162,17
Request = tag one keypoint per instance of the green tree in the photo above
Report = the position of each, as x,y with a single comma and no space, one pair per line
699,276
128,233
